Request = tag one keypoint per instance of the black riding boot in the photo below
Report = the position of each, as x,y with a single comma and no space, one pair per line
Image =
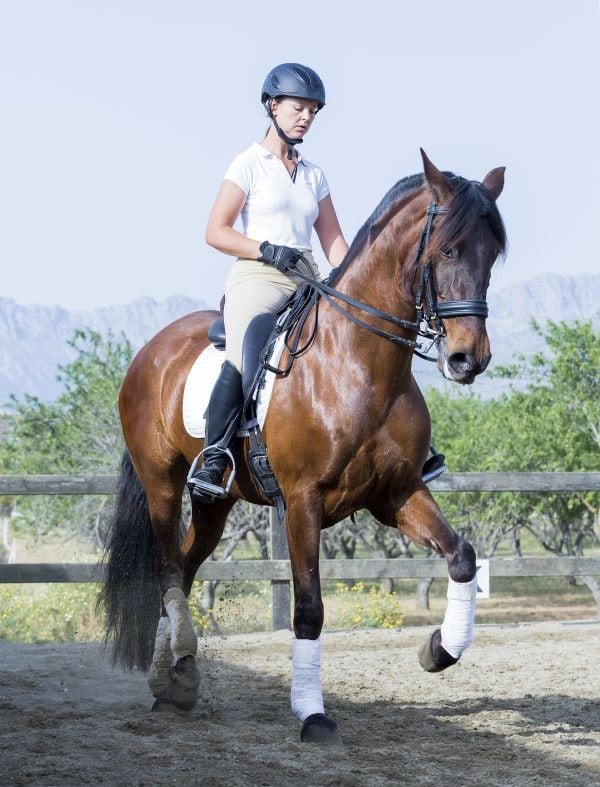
222,418
434,466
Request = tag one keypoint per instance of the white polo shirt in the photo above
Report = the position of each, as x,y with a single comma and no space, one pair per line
277,208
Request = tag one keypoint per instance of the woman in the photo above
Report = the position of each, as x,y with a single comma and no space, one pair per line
280,197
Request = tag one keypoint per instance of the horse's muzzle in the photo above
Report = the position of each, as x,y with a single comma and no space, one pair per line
463,367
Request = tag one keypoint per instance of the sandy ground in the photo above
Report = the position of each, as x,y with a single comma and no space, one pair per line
520,708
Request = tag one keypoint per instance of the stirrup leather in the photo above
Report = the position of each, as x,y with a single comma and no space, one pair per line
212,490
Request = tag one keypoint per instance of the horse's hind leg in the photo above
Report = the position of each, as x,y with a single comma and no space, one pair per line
177,684
421,520
203,536
174,676
176,641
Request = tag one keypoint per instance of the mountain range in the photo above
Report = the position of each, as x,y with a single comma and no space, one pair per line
33,339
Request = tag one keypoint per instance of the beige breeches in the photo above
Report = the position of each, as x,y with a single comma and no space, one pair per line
255,288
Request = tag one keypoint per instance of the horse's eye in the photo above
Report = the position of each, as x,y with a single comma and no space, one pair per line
449,254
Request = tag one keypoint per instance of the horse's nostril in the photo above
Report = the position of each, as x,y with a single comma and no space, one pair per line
462,362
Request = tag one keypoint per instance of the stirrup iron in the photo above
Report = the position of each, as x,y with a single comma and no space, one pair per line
212,489
434,467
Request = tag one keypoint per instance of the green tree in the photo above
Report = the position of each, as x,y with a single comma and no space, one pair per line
553,424
78,433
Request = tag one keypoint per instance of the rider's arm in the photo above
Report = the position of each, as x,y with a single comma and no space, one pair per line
329,231
219,230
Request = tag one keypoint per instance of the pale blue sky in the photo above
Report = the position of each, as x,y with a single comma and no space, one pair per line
119,119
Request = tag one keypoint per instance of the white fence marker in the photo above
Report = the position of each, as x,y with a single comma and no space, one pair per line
483,578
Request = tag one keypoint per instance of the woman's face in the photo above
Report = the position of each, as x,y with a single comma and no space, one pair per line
294,115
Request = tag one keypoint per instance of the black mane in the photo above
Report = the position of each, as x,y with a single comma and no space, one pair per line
399,189
469,201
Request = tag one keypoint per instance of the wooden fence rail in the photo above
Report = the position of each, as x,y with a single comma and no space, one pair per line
278,571
449,482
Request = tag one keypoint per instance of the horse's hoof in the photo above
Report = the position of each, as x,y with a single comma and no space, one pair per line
319,729
432,656
184,680
164,706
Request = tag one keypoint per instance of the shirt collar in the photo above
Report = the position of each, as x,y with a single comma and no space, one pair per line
262,151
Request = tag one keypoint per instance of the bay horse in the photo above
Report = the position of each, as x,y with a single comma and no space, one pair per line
347,429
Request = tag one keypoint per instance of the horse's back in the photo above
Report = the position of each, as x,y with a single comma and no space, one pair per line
188,333
171,349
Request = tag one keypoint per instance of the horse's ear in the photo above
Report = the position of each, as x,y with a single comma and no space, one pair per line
438,183
493,182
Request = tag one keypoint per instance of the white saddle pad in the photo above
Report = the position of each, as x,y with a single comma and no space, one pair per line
200,383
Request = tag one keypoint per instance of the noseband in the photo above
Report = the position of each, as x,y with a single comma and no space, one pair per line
430,312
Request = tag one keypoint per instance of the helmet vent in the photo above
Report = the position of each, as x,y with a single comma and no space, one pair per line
301,74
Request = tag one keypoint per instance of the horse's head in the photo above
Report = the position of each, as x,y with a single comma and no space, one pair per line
465,240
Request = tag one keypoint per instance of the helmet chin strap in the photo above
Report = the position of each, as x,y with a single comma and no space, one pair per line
288,140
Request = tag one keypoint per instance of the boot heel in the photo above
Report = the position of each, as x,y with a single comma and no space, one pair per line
212,490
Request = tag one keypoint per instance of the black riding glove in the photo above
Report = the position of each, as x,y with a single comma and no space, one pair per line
283,258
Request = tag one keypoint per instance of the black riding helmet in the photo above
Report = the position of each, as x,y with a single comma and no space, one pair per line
296,81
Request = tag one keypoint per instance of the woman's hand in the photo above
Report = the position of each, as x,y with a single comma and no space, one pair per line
284,258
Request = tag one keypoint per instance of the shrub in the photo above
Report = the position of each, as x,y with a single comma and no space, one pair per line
360,606
67,612
50,613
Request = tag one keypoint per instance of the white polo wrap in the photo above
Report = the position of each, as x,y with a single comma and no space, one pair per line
162,659
184,641
457,628
306,693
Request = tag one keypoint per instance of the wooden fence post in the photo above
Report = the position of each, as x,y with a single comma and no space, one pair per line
280,589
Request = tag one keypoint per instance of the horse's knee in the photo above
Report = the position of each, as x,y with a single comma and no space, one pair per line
461,565
308,618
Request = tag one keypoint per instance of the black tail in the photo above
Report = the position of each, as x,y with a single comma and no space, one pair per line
131,595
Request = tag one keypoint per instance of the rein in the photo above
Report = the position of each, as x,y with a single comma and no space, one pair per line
429,310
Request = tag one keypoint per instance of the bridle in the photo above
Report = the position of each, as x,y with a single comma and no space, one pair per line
430,311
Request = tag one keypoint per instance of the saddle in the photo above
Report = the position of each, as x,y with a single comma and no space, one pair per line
259,342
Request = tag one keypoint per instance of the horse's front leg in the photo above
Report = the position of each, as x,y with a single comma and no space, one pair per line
303,521
420,518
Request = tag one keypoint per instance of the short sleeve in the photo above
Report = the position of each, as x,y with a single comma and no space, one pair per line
322,185
240,173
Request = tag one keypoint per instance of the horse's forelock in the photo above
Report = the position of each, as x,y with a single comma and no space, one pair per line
468,203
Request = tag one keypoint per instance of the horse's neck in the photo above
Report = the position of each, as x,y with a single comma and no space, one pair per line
380,274
380,277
